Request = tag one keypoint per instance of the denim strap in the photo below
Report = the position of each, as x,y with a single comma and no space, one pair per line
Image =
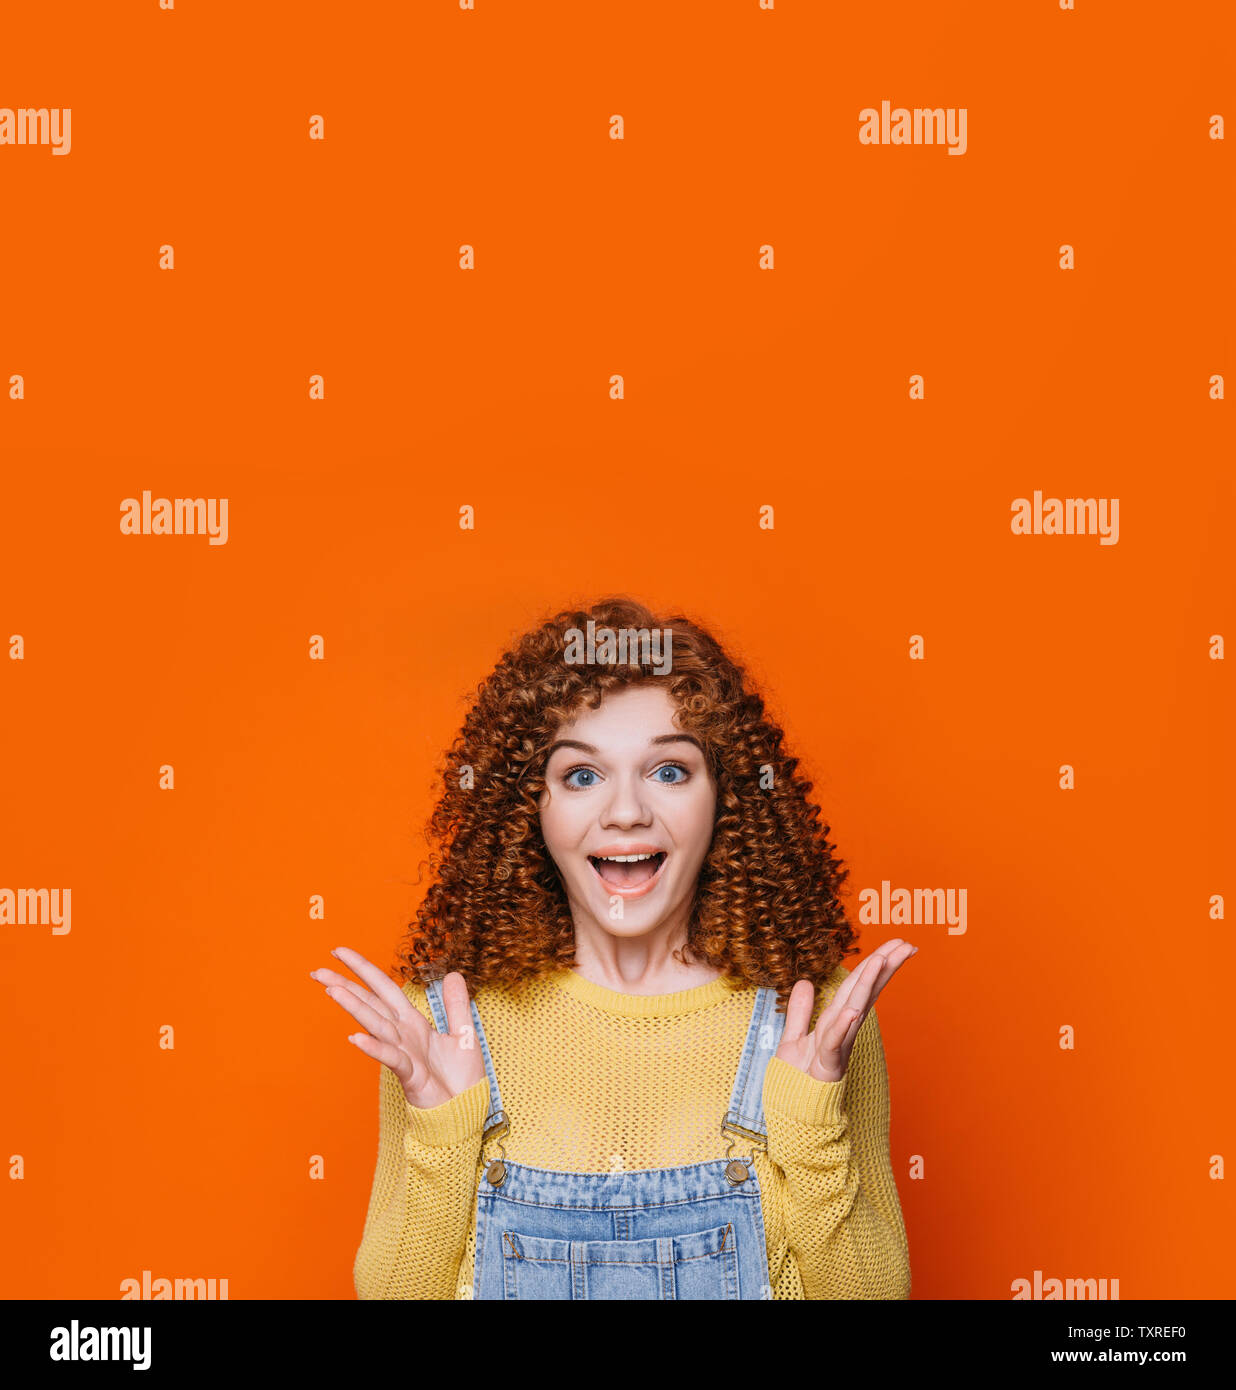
494,1119
746,1113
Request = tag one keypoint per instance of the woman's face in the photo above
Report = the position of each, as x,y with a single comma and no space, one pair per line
622,780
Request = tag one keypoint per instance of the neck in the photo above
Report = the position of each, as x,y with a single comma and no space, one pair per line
643,964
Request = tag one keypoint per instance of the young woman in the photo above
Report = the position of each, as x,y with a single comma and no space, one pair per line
591,1083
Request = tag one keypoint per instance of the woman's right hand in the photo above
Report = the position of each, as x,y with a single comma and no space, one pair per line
432,1067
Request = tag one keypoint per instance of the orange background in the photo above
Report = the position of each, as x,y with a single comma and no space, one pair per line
490,388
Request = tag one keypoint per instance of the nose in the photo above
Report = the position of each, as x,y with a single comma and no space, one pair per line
626,806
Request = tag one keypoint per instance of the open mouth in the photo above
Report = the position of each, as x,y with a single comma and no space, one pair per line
627,871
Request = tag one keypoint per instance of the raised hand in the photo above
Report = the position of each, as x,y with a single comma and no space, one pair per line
824,1053
432,1067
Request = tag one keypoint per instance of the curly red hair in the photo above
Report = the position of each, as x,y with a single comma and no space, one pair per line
767,909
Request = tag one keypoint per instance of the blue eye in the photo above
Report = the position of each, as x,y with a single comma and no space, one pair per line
671,767
579,772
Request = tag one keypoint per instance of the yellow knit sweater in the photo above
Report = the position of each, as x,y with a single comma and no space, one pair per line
593,1080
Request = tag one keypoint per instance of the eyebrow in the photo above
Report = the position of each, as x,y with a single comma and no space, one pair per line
588,748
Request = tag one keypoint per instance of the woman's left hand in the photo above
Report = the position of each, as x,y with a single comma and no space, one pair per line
824,1053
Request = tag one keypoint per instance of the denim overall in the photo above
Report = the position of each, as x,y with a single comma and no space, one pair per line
691,1232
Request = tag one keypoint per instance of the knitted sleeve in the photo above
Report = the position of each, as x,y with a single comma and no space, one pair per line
424,1189
843,1219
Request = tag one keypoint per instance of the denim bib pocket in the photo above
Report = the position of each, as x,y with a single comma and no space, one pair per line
698,1265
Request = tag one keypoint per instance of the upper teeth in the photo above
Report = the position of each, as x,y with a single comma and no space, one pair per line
625,858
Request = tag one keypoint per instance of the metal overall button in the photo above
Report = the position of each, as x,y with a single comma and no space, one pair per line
736,1170
495,1172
